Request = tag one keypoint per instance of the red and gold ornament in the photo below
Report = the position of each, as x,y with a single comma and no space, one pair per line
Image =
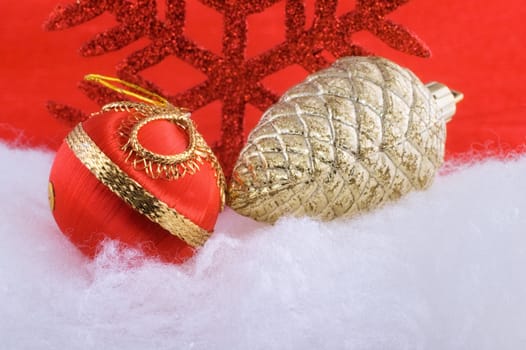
139,173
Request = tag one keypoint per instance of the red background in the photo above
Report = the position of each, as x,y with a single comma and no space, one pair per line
478,48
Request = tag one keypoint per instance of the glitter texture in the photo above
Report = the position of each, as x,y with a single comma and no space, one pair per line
347,140
231,77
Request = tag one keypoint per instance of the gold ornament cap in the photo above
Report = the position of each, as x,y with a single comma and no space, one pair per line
446,99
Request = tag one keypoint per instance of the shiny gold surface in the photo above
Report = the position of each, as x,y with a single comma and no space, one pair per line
348,139
51,195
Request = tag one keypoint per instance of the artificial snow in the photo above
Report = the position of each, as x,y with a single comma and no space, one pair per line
440,269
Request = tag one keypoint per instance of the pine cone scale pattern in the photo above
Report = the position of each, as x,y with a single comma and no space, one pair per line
350,138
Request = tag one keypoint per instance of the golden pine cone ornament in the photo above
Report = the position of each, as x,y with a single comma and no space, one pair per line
348,139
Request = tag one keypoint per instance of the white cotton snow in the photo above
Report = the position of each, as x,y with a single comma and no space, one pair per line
441,269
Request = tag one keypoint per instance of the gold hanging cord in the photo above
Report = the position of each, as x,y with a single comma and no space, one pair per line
134,91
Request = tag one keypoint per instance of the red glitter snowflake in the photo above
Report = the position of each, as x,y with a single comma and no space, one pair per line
231,77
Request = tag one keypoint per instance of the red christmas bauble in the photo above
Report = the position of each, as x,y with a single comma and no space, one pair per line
138,174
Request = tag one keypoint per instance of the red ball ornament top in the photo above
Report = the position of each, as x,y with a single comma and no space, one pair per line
150,157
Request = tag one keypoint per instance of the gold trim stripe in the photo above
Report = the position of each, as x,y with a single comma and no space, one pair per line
131,191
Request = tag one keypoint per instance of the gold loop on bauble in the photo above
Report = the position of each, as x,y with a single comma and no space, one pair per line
179,120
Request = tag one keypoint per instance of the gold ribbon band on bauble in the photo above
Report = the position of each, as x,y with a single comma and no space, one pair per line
131,191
